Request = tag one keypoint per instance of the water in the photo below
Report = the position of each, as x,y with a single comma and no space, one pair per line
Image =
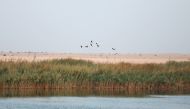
87,102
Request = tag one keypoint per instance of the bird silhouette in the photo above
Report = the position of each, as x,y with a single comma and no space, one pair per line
86,46
81,46
113,49
91,45
97,44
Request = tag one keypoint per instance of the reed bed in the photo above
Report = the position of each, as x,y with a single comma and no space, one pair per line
69,73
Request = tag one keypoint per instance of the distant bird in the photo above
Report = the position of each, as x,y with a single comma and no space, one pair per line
81,46
91,43
86,46
97,44
113,49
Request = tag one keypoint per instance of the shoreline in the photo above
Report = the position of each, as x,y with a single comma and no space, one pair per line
96,57
124,90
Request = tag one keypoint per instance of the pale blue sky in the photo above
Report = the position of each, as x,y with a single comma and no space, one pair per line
131,26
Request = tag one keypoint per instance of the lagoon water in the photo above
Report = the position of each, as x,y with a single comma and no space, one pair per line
93,102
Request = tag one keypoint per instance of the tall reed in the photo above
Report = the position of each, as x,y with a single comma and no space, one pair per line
80,73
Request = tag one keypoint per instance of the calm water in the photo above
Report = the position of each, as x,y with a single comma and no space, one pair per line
63,102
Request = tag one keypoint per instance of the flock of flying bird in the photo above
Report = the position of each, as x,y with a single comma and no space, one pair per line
94,44
91,44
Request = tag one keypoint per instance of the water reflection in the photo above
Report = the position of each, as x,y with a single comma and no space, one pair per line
85,92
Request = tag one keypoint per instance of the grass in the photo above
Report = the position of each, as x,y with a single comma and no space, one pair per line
73,73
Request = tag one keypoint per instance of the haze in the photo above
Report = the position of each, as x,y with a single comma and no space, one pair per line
130,26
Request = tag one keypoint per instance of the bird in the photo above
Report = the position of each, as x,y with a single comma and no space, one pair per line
91,45
86,46
91,41
113,49
81,46
97,44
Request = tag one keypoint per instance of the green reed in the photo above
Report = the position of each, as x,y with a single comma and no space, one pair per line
82,72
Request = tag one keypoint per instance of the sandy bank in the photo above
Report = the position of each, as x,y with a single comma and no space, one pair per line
98,58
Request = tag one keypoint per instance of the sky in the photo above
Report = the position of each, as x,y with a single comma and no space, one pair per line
130,26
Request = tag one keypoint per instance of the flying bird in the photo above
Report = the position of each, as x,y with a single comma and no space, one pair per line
86,46
81,46
113,49
97,44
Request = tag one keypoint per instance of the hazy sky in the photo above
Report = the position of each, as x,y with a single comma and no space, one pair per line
131,26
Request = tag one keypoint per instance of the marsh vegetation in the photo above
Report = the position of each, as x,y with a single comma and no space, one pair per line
69,73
